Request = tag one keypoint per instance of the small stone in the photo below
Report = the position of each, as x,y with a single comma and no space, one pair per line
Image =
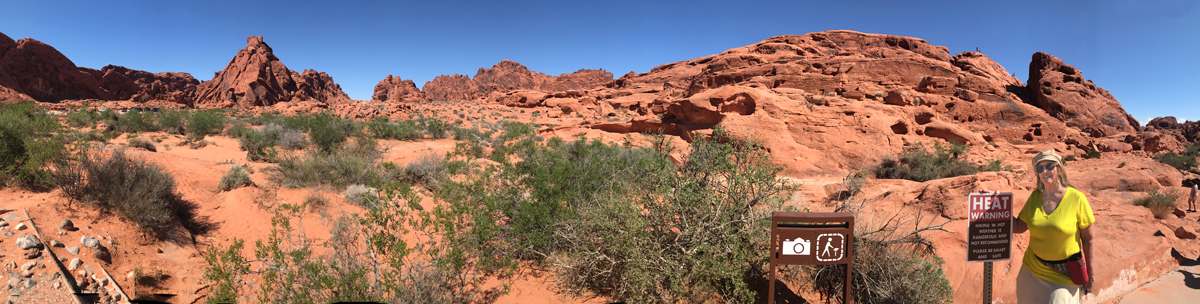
89,269
66,225
54,276
32,253
30,283
26,241
62,259
12,217
26,274
89,242
3,224
8,233
1185,233
57,284
1179,212
101,255
13,282
74,264
28,265
55,243
73,250
20,226
103,282
117,297
62,233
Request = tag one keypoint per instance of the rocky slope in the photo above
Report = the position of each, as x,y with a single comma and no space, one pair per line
32,70
509,75
255,77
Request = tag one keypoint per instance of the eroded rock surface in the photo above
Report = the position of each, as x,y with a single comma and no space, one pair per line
256,77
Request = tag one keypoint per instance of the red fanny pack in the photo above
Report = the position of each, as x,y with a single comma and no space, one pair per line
1078,268
1074,266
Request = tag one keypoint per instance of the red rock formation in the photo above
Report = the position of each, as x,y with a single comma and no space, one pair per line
394,89
255,77
42,73
38,70
124,83
450,88
1061,91
508,76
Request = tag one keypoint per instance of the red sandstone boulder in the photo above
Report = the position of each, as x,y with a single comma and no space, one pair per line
255,77
394,89
1062,92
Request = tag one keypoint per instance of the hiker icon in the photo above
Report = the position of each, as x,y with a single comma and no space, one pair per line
830,247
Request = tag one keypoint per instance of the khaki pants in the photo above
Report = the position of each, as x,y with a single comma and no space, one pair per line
1034,290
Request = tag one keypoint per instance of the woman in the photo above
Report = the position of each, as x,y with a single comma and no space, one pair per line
1058,218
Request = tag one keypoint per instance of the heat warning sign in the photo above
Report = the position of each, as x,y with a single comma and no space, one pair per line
989,236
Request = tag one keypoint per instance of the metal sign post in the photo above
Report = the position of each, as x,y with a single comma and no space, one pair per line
989,233
811,238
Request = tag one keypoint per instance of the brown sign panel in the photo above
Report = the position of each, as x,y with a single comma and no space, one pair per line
989,228
811,238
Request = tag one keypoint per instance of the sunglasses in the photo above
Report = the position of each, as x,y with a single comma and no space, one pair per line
1044,168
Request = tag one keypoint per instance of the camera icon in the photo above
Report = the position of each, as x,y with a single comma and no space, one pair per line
798,246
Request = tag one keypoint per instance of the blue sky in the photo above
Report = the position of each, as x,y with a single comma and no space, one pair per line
1143,52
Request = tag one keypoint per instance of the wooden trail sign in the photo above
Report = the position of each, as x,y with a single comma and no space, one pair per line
811,238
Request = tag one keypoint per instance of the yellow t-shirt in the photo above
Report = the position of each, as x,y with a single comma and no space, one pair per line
1054,237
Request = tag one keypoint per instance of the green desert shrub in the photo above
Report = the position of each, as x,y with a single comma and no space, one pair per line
346,166
1160,202
29,141
292,139
81,118
259,146
140,191
327,131
171,121
136,121
236,177
917,163
204,123
1182,162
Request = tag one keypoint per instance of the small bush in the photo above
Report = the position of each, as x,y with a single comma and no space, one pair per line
995,165
136,121
1092,154
171,121
340,168
328,131
436,128
29,141
1160,202
142,144
1181,162
919,164
258,146
236,177
292,139
361,196
237,128
204,123
429,170
140,191
82,118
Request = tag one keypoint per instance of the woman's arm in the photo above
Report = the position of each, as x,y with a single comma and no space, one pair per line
1019,226
1085,235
